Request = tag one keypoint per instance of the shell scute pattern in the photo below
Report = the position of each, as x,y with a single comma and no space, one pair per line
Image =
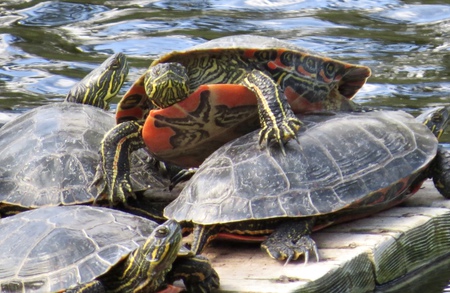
48,155
78,255
376,160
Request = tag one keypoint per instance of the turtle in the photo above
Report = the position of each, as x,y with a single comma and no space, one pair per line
96,249
345,166
48,156
189,103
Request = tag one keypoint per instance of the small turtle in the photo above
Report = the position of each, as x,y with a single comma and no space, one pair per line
93,249
346,166
220,90
48,155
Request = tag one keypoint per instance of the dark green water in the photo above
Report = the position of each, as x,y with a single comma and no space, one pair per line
46,47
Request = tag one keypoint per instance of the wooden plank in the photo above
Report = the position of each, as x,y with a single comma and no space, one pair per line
354,256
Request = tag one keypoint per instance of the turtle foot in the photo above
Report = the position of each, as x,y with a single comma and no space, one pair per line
441,172
182,176
280,134
196,272
112,194
290,250
290,240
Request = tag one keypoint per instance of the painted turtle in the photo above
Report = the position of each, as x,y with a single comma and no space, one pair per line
48,155
220,90
90,249
346,166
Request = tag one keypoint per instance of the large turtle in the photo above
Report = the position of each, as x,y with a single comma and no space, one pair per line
346,166
93,249
48,155
220,90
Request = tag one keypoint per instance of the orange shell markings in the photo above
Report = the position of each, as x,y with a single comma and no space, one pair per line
157,138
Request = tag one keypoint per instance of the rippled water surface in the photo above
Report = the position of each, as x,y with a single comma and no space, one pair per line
47,46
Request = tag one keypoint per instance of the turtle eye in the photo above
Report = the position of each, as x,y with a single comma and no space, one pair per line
436,117
162,232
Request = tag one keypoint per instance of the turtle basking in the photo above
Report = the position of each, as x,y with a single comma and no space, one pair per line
220,90
346,166
48,155
93,249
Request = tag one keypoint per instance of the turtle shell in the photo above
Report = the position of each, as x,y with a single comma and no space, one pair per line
55,248
346,162
320,75
49,155
210,115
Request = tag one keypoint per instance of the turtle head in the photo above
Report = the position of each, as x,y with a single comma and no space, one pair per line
436,119
102,84
154,258
166,84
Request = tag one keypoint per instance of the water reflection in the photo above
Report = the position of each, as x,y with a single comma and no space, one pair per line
45,47
416,14
406,45
58,13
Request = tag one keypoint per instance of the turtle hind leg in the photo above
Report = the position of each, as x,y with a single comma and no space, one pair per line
441,172
279,124
291,240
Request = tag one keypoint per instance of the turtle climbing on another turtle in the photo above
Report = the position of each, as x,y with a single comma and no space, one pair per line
217,91
346,166
93,249
48,155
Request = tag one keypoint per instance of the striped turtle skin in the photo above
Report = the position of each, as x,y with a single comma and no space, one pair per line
189,103
93,249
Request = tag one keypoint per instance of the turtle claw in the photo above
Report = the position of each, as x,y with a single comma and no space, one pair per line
288,250
111,195
197,274
181,176
280,134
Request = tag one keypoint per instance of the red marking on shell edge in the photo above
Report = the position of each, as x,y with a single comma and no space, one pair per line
241,238
325,78
415,188
301,70
136,112
133,108
273,65
300,104
249,53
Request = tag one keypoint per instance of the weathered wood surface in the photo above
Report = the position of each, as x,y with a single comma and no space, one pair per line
354,256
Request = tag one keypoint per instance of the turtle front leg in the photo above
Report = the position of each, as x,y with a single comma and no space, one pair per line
441,172
112,179
291,240
196,272
279,124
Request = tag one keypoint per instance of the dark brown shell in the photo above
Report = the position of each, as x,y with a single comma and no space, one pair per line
365,161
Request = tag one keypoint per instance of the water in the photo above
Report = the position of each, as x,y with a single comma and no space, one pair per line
47,46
